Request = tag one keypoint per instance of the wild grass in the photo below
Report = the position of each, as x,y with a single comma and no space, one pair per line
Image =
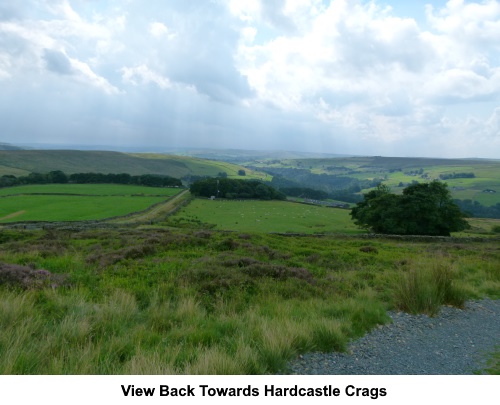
427,286
264,216
210,302
493,366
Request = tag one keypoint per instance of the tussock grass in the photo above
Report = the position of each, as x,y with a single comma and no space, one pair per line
427,286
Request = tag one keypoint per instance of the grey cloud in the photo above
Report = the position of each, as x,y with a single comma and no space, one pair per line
202,54
8,11
272,12
57,62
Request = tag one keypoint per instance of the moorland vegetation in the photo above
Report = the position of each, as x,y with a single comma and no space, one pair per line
193,301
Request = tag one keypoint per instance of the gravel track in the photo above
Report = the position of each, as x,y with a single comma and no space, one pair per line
452,343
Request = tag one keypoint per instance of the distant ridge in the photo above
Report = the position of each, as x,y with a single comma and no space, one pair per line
23,162
243,155
8,146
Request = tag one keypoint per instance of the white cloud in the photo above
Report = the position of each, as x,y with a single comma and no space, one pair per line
158,30
87,76
143,75
287,73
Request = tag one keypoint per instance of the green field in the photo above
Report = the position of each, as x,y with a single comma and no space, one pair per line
265,216
70,208
89,189
76,202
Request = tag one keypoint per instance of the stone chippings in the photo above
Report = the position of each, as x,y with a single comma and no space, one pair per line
454,342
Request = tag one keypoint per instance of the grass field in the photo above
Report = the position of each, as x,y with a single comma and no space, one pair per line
89,189
69,208
264,216
76,202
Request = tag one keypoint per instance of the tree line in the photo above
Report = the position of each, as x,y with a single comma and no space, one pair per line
448,176
59,177
234,189
476,209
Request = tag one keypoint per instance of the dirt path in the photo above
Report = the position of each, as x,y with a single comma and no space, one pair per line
157,211
13,215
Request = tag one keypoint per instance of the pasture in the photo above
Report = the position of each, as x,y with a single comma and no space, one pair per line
76,202
89,189
264,216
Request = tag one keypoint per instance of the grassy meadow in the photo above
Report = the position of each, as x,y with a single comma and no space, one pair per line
159,301
89,189
76,202
264,216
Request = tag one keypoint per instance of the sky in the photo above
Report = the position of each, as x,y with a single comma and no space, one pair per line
390,78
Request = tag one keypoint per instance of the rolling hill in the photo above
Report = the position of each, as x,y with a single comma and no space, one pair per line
23,162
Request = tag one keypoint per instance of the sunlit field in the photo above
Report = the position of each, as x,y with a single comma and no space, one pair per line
264,216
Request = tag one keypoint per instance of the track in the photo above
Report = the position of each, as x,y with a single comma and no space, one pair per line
156,212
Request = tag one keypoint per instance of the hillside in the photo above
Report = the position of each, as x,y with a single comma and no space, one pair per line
360,173
23,162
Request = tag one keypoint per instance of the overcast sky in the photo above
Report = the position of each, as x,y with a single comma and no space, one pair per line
392,78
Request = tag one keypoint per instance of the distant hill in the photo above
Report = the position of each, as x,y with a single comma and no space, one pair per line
468,179
242,156
8,146
22,162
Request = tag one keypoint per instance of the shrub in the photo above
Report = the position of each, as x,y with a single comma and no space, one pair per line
29,278
368,249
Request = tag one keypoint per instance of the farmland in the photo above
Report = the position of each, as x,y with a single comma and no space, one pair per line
393,171
264,216
76,202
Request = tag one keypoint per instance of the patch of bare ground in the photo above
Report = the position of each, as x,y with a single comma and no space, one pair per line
13,215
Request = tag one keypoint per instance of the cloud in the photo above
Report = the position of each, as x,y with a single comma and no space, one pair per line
159,30
57,62
304,74
144,75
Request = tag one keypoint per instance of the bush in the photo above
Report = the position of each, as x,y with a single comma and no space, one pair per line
29,278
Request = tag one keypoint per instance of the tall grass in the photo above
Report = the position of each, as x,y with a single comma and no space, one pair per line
427,286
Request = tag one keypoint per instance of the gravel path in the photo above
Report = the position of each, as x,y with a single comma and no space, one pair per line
454,342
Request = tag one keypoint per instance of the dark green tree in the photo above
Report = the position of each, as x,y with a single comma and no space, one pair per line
57,176
422,209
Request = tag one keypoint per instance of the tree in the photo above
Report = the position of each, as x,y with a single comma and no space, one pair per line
241,172
422,209
57,176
